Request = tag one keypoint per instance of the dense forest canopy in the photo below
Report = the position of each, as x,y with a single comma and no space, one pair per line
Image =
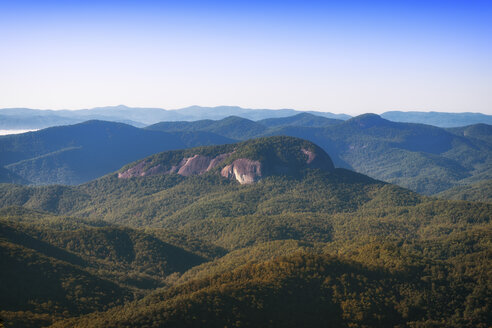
309,246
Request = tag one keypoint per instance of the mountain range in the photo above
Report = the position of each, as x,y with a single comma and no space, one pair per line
82,152
31,119
423,158
25,118
266,232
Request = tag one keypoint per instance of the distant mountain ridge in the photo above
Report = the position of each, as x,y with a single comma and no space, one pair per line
440,119
29,119
25,118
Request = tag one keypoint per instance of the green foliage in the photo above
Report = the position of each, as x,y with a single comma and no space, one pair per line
478,192
423,158
232,127
303,119
305,290
79,153
315,248
33,281
7,176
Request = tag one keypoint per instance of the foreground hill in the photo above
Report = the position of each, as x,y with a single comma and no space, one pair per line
265,232
54,267
302,290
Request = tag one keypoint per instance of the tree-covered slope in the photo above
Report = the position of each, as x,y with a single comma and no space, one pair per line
55,267
7,176
82,152
478,131
292,175
308,290
478,192
41,281
232,127
424,158
302,244
303,119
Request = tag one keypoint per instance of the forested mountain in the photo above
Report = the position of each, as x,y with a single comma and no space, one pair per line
266,232
478,192
7,176
235,127
78,153
477,131
241,128
423,158
304,119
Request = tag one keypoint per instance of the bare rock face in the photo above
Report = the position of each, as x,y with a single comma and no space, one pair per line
310,155
251,161
244,170
195,165
140,171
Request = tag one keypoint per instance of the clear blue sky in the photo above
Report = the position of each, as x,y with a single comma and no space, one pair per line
344,56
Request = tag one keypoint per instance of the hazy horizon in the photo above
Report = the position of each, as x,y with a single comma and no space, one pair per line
352,57
247,108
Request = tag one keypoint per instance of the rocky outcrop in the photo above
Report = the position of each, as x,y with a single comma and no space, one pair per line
310,155
317,160
195,165
244,170
141,170
246,162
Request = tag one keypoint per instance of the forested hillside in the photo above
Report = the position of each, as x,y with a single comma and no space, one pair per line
423,158
174,240
82,152
478,192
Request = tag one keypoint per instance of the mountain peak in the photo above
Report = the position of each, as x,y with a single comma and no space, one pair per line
368,121
245,162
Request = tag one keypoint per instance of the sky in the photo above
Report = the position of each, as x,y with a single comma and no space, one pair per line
347,56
